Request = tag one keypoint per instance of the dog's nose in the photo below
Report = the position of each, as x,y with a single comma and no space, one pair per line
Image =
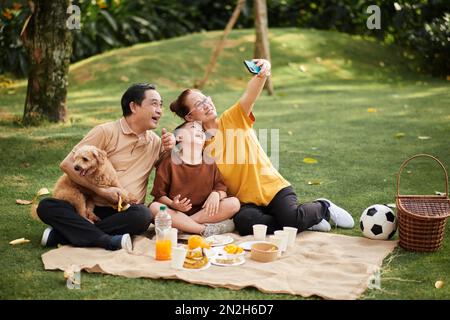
77,168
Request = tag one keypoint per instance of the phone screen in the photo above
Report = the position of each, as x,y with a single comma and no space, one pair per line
252,67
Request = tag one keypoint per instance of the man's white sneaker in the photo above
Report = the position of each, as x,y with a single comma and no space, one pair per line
45,236
126,243
339,216
322,226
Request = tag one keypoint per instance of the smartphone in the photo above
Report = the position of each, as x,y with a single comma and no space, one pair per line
252,67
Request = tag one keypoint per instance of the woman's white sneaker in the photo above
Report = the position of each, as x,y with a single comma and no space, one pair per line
322,226
339,216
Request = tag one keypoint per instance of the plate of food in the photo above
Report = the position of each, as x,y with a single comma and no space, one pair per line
219,240
225,261
196,259
247,246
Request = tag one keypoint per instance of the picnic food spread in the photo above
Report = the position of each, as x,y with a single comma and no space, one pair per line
196,257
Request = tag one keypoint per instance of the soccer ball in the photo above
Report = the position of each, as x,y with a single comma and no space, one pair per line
378,222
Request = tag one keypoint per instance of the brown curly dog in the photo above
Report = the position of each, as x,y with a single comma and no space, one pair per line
92,163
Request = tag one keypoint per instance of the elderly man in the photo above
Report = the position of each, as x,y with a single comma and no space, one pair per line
133,148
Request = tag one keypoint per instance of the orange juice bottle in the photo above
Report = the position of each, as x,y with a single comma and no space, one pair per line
163,223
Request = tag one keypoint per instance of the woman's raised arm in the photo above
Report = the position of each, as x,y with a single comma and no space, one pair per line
255,86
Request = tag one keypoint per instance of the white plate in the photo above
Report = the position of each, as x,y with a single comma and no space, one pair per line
248,245
206,266
214,261
219,240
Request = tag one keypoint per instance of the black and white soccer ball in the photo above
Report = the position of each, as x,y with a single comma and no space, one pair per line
378,222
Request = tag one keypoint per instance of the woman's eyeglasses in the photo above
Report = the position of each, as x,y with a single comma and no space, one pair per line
201,104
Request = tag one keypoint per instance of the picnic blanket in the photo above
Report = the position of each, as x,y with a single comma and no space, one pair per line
327,265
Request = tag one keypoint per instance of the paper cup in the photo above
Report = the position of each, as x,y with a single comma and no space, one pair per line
259,232
178,256
292,235
278,241
284,235
173,236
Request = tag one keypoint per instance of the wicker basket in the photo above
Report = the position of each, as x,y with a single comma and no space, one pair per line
421,218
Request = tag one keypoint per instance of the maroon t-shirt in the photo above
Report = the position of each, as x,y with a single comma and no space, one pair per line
195,182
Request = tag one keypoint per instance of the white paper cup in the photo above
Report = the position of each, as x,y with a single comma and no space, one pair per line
284,235
292,235
278,241
178,256
259,232
173,236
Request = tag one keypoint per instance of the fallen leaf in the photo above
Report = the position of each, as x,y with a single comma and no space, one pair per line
124,79
318,59
314,182
241,49
25,202
42,191
381,63
372,110
310,160
302,68
439,284
424,137
399,135
290,133
19,241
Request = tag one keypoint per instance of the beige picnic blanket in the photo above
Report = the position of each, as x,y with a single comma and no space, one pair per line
327,265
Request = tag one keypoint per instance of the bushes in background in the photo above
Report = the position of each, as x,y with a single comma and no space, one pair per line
421,27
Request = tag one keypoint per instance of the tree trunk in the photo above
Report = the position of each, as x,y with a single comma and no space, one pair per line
49,46
262,48
235,15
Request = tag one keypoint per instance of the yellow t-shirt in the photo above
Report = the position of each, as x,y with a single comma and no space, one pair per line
247,170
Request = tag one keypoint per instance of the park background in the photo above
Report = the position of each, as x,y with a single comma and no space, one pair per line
358,101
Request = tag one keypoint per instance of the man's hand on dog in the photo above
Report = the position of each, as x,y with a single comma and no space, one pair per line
167,139
112,194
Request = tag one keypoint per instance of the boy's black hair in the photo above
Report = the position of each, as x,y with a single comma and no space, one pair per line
135,93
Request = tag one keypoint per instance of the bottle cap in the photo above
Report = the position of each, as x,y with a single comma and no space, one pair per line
163,207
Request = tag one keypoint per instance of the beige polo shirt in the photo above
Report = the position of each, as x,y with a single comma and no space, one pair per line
132,155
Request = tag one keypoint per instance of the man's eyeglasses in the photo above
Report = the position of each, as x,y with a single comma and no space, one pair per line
201,104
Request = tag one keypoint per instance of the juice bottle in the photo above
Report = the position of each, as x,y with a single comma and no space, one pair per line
163,223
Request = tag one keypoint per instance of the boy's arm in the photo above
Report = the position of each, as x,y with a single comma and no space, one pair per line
183,205
255,86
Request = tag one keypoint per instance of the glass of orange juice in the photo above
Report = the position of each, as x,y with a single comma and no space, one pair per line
163,250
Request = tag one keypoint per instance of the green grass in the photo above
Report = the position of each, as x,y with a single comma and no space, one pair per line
321,113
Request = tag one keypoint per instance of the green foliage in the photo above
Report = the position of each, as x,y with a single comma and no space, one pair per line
420,28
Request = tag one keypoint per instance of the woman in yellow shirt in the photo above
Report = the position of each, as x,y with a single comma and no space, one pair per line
266,197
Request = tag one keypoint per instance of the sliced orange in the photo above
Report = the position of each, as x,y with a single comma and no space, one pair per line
196,241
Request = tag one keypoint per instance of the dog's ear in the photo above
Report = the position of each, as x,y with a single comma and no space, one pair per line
100,155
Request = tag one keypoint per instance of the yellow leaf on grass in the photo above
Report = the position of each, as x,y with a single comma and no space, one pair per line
42,191
310,160
399,135
124,79
439,284
314,182
25,202
19,241
290,133
372,110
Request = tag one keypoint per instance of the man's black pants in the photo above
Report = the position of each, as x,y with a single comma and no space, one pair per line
283,211
70,228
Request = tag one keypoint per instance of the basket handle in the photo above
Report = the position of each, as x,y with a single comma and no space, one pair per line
416,156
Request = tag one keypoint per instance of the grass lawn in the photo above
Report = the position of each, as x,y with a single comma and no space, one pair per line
325,82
